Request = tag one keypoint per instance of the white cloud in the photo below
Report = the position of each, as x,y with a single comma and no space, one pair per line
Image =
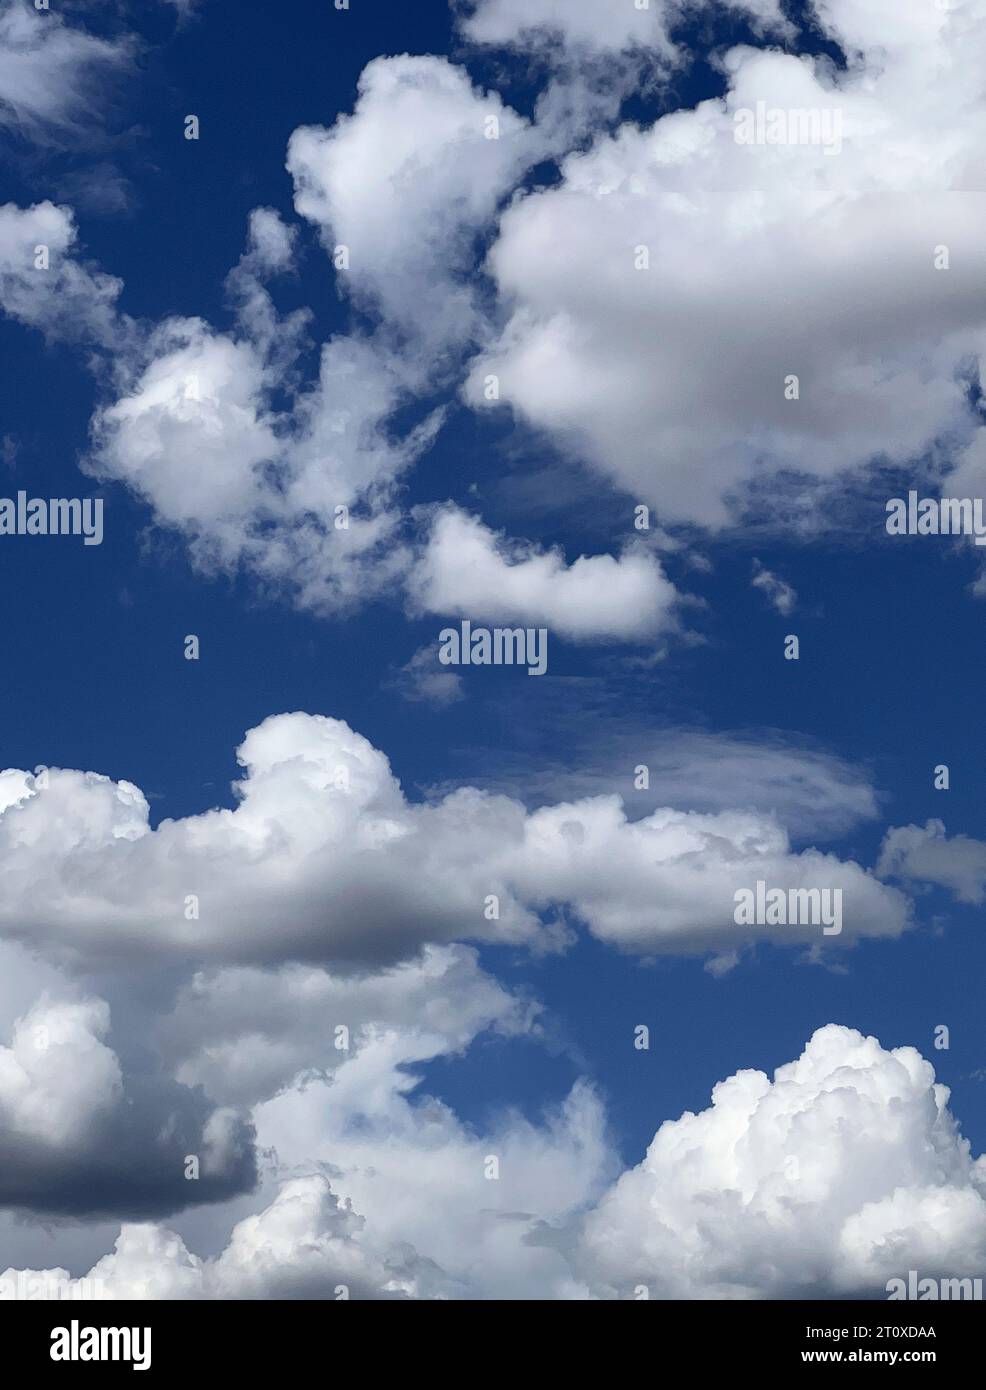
58,1076
776,590
305,1244
270,240
79,1135
51,75
406,183
466,569
244,1034
843,1172
270,496
926,854
271,250
65,298
424,679
324,843
371,1185
765,262
608,744
667,882
603,27
190,436
606,25
305,496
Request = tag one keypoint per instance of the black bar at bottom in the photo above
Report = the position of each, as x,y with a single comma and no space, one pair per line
293,1338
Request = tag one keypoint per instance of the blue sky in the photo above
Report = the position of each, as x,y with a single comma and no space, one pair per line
833,750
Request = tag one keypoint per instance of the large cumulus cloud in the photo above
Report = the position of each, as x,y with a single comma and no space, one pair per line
844,1171
324,858
765,261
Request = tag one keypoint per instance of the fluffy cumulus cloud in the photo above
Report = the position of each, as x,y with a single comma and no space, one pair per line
842,1173
926,854
370,1186
324,843
77,1135
305,495
661,297
417,1206
305,1244
58,1076
406,183
302,495
466,569
668,883
655,304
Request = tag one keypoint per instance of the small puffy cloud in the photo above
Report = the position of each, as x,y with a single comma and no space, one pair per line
406,183
424,679
324,843
774,589
191,437
44,285
304,500
270,241
926,854
466,569
845,1171
270,251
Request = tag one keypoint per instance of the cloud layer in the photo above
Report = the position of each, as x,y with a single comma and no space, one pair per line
324,844
843,1172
